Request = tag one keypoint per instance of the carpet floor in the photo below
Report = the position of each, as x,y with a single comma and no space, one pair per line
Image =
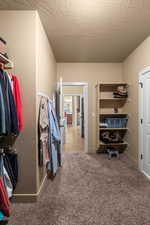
90,190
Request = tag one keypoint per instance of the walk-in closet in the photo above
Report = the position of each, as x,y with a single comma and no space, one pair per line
74,112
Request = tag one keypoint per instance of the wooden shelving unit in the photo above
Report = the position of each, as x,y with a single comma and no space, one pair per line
111,129
113,114
106,106
113,99
113,144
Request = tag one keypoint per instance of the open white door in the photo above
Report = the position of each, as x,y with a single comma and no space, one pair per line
144,105
81,116
85,96
61,117
61,101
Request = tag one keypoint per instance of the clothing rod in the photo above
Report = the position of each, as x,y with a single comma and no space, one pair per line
44,95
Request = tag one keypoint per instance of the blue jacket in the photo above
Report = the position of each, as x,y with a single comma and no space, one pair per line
54,139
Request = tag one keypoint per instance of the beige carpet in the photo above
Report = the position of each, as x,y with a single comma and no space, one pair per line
90,190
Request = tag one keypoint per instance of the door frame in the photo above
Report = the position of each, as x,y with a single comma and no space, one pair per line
86,86
78,95
141,150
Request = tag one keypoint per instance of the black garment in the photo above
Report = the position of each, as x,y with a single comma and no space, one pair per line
13,160
59,154
9,171
10,107
7,113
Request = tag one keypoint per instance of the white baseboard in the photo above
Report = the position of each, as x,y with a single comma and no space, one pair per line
29,197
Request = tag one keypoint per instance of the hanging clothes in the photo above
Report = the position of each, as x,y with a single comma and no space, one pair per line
2,112
9,170
8,180
49,137
5,177
7,183
5,192
17,98
1,216
4,201
54,139
12,162
43,130
11,120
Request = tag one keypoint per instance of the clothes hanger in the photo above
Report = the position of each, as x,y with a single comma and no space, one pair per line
2,66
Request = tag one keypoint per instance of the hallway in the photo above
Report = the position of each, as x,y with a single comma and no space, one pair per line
74,142
90,190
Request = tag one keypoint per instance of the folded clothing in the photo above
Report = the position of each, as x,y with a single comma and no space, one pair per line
103,125
121,92
117,95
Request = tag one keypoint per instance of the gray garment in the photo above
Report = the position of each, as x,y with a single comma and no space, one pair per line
2,113
5,178
43,132
43,118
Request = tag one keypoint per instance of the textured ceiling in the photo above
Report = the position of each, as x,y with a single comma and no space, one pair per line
90,30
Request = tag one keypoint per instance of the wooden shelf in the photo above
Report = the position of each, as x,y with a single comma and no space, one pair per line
113,144
113,84
113,99
106,104
113,114
119,129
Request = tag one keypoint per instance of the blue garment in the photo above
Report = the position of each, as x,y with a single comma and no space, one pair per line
54,125
11,119
54,139
2,113
1,216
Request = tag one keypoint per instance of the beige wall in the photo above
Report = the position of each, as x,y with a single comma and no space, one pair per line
35,67
91,73
73,90
18,28
46,74
132,66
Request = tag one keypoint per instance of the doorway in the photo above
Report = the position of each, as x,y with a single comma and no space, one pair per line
73,110
144,121
74,114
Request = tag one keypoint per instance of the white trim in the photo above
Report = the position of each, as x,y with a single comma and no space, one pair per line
140,130
86,110
145,174
74,84
144,71
72,95
34,194
84,84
